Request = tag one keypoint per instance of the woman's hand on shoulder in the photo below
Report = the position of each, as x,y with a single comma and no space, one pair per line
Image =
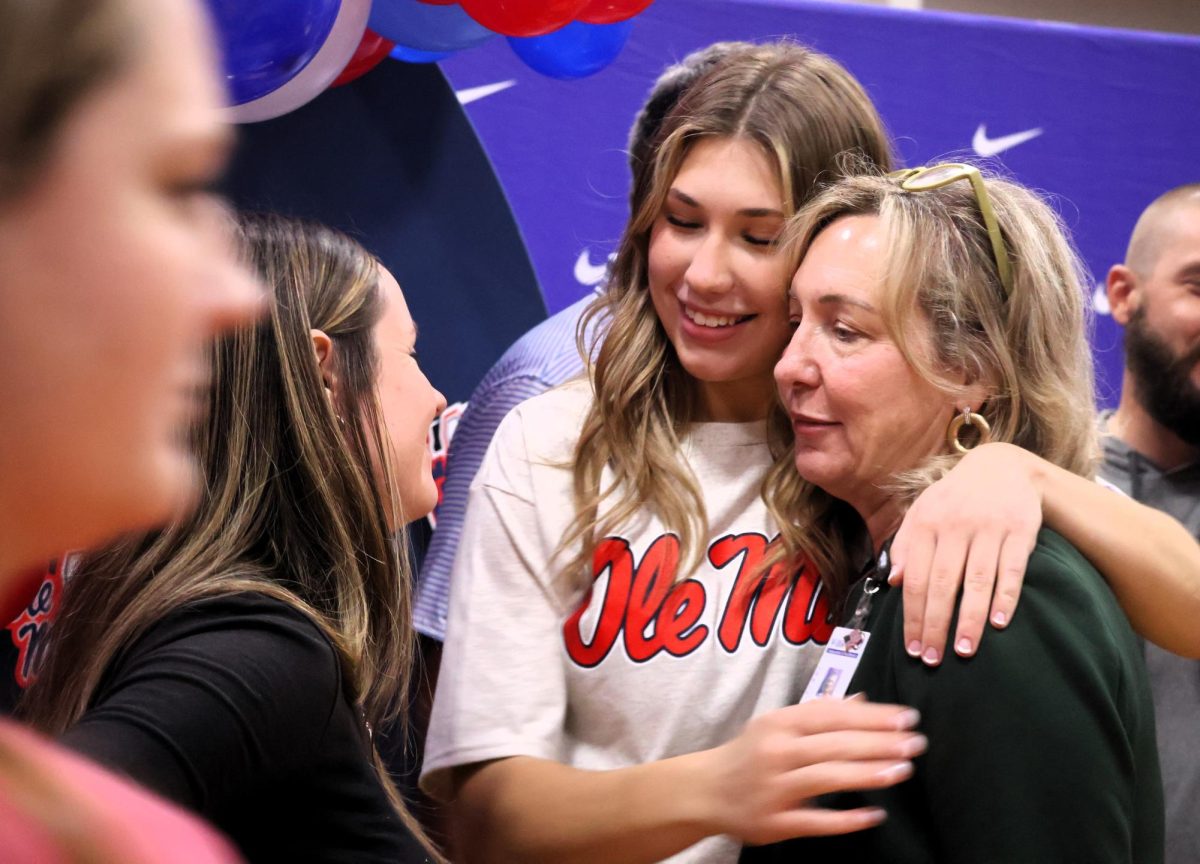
764,779
975,529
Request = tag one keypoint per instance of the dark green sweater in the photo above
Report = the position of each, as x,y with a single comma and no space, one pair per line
1041,748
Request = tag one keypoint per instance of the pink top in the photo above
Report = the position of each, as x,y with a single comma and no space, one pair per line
128,823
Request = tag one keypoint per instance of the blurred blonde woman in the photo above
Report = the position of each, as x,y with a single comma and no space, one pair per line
115,273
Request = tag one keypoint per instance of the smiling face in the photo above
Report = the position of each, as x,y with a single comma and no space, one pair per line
116,269
409,403
716,278
861,414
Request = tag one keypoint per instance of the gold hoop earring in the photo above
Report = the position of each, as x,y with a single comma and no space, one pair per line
967,418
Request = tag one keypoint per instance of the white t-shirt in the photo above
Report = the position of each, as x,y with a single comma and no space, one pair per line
643,667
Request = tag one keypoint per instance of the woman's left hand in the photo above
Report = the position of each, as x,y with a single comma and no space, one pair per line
974,528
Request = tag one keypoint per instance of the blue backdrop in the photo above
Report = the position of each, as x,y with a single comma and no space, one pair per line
1116,114
391,159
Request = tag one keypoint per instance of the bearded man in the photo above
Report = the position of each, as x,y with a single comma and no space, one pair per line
1152,452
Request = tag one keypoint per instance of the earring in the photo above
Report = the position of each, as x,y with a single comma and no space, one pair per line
967,418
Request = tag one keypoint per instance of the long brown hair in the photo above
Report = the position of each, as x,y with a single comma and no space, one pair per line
804,110
289,506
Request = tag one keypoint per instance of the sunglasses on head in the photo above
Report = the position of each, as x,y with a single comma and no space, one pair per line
935,177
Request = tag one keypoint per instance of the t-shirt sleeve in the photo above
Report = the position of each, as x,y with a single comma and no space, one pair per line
467,449
212,698
1033,743
501,688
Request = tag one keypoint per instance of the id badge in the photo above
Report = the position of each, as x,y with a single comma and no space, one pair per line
838,663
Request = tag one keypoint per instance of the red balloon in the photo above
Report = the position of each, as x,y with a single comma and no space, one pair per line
609,11
369,53
523,17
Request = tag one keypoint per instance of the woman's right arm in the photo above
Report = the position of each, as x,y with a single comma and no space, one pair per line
956,535
756,788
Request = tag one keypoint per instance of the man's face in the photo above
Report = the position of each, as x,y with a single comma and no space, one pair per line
1162,337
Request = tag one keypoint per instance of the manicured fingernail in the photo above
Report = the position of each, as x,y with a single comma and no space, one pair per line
931,656
914,648
908,718
999,619
874,816
914,746
896,773
893,574
964,647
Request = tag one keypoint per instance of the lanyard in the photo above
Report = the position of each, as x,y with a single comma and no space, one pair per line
839,661
871,584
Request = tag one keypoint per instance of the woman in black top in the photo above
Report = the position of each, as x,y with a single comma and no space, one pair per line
237,662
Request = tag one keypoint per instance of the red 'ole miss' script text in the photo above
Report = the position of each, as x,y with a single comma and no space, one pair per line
649,613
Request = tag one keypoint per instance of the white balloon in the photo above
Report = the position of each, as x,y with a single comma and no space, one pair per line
318,73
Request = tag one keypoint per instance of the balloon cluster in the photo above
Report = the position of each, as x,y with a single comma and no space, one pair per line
280,54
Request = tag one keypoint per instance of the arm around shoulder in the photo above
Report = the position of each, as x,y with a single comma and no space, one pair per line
1042,746
1151,561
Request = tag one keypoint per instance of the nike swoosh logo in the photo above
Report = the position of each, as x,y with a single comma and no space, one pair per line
985,146
474,94
587,273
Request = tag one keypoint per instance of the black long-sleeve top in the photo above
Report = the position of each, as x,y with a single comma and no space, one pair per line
235,707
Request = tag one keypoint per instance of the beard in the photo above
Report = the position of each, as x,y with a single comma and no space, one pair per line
1163,382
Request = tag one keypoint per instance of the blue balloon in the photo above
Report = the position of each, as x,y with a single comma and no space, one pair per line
574,51
426,27
412,55
266,43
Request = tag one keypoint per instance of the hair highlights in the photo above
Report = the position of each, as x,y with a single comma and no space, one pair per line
804,110
944,307
291,506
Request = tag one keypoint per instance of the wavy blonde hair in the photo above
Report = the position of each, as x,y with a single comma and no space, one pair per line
941,279
291,504
804,110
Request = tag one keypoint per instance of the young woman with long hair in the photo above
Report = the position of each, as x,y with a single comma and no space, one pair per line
623,658
238,660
